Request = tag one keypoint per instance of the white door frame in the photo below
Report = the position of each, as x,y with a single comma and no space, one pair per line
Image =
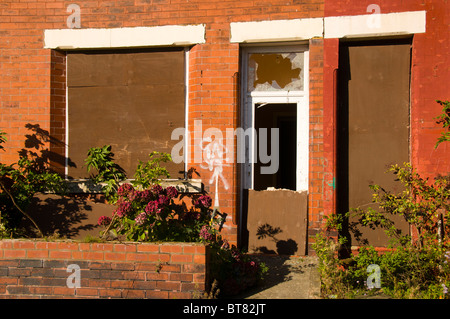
301,98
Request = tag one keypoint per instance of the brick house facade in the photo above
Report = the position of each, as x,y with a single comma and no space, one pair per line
37,39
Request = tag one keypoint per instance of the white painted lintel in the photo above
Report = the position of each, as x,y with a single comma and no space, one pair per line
357,26
372,25
276,30
170,35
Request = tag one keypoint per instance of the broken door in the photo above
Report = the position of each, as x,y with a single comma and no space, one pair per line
275,174
373,124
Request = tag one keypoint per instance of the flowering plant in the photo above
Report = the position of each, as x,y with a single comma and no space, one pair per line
234,270
153,214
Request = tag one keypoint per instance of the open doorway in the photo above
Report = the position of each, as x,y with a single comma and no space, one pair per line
274,185
280,119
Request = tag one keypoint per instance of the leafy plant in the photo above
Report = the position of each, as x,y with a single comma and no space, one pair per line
423,204
233,270
406,271
153,215
2,139
19,182
158,214
444,119
150,172
106,171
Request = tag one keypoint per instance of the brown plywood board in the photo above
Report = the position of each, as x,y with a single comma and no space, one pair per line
277,221
378,123
135,114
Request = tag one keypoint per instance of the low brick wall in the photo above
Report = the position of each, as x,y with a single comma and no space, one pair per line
44,269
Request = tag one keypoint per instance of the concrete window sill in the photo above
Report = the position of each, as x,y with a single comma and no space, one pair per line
86,186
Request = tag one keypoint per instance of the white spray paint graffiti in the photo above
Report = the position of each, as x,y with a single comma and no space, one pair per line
211,153
214,153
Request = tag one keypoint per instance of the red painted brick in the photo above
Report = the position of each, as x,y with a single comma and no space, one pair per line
23,244
14,253
159,257
179,295
157,294
171,249
101,247
150,276
114,256
136,257
167,285
125,247
110,293
37,253
60,254
67,246
134,294
93,255
64,291
86,292
182,258
147,248
181,277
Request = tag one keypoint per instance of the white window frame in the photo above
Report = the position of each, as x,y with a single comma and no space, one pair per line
301,98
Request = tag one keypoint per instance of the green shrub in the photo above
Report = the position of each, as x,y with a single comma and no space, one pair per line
19,182
100,160
413,267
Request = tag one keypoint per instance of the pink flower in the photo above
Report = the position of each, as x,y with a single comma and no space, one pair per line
104,220
225,245
157,190
205,234
125,189
123,209
152,207
141,218
171,192
144,195
203,201
163,200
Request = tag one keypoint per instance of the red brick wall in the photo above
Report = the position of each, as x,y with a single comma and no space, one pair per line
317,162
38,269
31,81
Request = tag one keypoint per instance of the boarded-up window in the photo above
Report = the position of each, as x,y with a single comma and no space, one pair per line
131,100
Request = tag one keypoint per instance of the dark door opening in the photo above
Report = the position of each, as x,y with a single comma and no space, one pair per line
284,118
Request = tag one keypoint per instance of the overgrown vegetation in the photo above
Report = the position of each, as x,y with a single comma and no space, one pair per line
444,119
414,265
103,170
19,182
145,211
